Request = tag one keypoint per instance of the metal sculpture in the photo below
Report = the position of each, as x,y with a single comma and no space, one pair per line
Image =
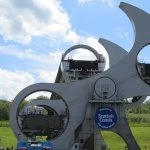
97,103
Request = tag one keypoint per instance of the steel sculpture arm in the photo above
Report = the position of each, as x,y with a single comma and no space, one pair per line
115,52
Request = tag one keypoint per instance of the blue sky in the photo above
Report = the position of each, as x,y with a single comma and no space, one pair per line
35,33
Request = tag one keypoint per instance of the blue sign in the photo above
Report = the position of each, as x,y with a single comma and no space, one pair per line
105,117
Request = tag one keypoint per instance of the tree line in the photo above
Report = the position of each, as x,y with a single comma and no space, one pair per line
4,110
5,106
142,109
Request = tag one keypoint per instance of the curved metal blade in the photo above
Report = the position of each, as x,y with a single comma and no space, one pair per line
115,52
139,19
141,24
125,72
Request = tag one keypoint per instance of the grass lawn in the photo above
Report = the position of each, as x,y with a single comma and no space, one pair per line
141,134
114,142
7,137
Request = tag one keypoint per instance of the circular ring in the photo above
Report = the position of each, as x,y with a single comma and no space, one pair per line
81,46
20,97
105,87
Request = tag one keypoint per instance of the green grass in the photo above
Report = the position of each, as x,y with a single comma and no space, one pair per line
7,137
141,134
141,124
114,142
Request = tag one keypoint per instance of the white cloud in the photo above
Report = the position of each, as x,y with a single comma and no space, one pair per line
14,51
121,33
13,82
108,2
84,1
43,67
74,37
45,62
30,55
82,54
48,76
22,20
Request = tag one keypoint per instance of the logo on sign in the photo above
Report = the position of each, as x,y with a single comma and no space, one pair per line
105,118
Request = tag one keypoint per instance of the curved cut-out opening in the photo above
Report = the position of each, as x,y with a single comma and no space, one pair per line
143,64
113,140
132,99
80,62
43,115
80,54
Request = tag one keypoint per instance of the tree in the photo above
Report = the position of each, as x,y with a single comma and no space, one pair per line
4,110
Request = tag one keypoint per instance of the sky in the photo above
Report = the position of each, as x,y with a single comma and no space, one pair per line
35,33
